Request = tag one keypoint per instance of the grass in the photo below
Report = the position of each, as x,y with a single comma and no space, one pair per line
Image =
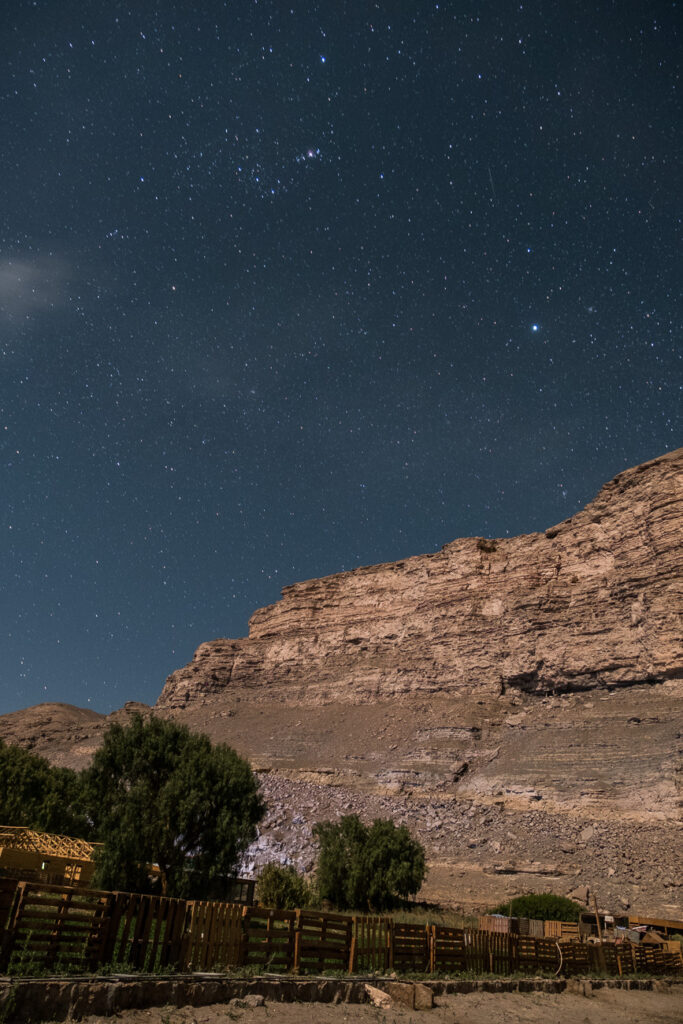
426,914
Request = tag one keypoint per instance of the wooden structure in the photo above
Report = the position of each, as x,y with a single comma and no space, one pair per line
29,855
603,924
562,930
45,857
66,928
664,925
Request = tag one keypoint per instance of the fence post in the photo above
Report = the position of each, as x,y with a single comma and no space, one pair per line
244,938
297,942
390,944
354,944
432,948
10,925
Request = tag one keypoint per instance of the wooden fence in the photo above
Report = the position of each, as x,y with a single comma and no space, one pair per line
57,928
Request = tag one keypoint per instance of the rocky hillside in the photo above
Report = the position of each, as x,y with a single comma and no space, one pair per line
593,602
516,702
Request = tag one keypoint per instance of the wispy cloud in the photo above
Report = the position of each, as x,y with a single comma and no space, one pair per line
32,284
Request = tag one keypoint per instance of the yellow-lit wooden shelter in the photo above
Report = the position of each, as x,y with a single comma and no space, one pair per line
45,857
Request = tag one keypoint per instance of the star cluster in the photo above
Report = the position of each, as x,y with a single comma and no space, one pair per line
290,289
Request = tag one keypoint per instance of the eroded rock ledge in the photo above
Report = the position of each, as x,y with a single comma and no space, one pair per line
593,602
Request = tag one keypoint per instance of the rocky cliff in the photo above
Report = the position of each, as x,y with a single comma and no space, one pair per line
516,703
593,602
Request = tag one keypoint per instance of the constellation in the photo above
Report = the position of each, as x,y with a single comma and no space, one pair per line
264,165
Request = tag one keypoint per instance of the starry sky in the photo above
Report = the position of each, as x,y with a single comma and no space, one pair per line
288,288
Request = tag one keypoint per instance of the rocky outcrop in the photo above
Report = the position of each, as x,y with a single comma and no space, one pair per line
593,602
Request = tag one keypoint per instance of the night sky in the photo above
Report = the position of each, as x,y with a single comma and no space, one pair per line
289,288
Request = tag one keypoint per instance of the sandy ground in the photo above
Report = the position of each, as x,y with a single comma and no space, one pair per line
603,1007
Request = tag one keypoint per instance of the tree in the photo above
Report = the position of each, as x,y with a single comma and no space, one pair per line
159,794
38,795
544,906
365,867
282,888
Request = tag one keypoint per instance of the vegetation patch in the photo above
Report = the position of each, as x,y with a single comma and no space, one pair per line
543,906
372,867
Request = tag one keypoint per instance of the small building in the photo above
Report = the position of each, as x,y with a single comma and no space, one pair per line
34,856
242,890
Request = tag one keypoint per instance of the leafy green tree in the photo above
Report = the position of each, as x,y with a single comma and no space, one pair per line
38,795
367,867
282,888
159,794
544,906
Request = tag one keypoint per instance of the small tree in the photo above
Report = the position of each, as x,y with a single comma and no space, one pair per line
544,906
159,794
367,867
38,795
282,888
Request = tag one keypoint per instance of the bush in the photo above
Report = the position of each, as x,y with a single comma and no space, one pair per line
369,868
544,906
282,888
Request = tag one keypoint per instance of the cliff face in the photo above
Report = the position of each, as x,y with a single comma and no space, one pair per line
593,602
449,692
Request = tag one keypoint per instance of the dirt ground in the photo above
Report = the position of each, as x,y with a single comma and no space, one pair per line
603,1007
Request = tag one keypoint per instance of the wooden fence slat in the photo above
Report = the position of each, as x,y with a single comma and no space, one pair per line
116,911
128,917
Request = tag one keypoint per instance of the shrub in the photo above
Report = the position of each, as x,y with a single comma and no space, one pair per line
370,868
544,906
282,888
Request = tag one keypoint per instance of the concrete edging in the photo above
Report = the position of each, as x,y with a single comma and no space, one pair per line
34,1000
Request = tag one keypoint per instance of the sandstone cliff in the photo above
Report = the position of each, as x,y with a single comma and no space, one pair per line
516,703
593,602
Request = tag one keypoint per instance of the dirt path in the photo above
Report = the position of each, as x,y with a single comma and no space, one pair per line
605,1006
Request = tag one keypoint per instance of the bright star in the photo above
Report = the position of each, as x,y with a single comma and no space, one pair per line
534,327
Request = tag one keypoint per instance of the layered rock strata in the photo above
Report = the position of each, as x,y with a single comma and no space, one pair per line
593,602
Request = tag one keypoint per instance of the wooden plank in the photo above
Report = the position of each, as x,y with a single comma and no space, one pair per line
128,921
196,930
143,926
169,946
187,939
36,918
116,910
8,892
97,933
209,935
54,938
49,902
161,916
